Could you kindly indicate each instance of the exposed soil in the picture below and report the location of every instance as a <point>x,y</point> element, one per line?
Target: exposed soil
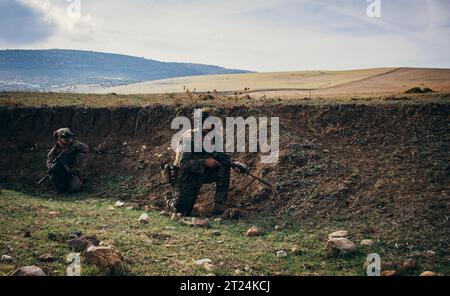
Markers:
<point>383,163</point>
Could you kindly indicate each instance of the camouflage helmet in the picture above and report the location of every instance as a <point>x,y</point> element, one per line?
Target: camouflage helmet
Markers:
<point>64,133</point>
<point>210,111</point>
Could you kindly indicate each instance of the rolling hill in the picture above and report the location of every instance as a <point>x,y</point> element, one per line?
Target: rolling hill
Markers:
<point>57,69</point>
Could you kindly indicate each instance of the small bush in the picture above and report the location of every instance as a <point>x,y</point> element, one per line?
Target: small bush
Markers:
<point>418,90</point>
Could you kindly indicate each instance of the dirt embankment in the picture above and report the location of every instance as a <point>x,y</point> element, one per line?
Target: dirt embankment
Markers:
<point>386,162</point>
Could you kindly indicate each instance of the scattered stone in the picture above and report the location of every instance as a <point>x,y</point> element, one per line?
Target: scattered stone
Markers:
<point>79,244</point>
<point>409,264</point>
<point>366,242</point>
<point>46,258</point>
<point>75,234</point>
<point>215,232</point>
<point>338,234</point>
<point>28,271</point>
<point>196,222</point>
<point>209,267</point>
<point>281,254</point>
<point>278,227</point>
<point>6,259</point>
<point>111,208</point>
<point>232,213</point>
<point>296,250</point>
<point>119,204</point>
<point>106,258</point>
<point>253,231</point>
<point>53,214</point>
<point>144,218</point>
<point>388,273</point>
<point>129,208</point>
<point>429,273</point>
<point>202,261</point>
<point>237,272</point>
<point>218,220</point>
<point>340,247</point>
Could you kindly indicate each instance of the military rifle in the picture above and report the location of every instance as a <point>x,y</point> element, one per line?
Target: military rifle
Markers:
<point>225,161</point>
<point>51,169</point>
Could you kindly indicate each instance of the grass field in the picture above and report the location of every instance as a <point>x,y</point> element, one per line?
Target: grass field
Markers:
<point>165,247</point>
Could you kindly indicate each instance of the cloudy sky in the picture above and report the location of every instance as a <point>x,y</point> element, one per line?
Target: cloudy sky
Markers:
<point>260,35</point>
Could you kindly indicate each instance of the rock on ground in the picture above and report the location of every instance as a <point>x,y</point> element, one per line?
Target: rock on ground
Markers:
<point>253,231</point>
<point>409,264</point>
<point>46,258</point>
<point>366,242</point>
<point>388,273</point>
<point>119,204</point>
<point>144,218</point>
<point>28,271</point>
<point>340,247</point>
<point>296,250</point>
<point>196,222</point>
<point>81,243</point>
<point>6,259</point>
<point>338,234</point>
<point>106,258</point>
<point>429,273</point>
<point>202,261</point>
<point>281,254</point>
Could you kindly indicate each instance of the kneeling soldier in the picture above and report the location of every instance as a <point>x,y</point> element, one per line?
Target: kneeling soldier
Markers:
<point>69,151</point>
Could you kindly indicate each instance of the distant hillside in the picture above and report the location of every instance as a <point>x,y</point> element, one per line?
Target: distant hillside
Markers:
<point>57,69</point>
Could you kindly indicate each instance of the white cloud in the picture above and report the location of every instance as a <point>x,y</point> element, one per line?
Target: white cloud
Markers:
<point>262,35</point>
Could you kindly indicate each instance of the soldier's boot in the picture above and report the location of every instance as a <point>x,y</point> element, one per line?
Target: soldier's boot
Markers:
<point>170,202</point>
<point>75,184</point>
<point>222,187</point>
<point>185,195</point>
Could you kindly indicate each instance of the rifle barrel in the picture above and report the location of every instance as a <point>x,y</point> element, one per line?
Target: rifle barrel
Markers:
<point>261,180</point>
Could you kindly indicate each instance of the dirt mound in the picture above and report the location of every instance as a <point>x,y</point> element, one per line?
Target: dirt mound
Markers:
<point>386,163</point>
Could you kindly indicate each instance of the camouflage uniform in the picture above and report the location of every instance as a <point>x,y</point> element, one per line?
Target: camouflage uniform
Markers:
<point>67,177</point>
<point>191,173</point>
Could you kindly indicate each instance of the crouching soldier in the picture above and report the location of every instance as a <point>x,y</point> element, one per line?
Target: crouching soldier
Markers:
<point>65,158</point>
<point>192,170</point>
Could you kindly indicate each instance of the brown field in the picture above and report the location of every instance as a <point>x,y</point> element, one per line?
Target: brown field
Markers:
<point>300,84</point>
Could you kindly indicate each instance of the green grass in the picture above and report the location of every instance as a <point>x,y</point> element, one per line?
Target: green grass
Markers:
<point>165,247</point>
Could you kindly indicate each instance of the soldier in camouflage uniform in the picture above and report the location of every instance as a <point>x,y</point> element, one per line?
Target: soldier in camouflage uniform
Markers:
<point>192,170</point>
<point>66,177</point>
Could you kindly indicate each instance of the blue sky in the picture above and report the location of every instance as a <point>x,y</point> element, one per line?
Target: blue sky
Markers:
<point>261,35</point>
